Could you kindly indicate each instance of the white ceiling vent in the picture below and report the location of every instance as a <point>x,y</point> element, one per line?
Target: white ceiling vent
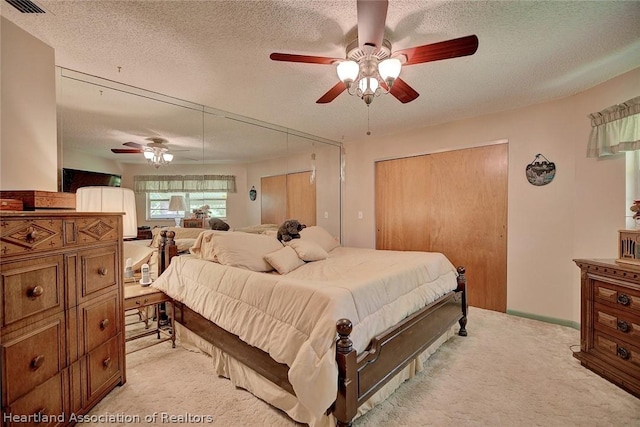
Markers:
<point>25,6</point>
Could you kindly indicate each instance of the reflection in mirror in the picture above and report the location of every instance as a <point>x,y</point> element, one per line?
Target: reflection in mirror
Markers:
<point>106,127</point>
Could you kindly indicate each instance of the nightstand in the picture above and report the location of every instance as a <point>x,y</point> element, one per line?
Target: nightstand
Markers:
<point>141,298</point>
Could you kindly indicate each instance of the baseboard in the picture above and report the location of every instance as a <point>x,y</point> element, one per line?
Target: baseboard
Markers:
<point>561,322</point>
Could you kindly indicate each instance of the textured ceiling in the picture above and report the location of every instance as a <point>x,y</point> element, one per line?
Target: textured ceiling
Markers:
<point>216,53</point>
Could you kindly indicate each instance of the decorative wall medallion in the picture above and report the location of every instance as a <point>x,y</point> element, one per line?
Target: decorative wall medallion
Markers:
<point>540,172</point>
<point>253,193</point>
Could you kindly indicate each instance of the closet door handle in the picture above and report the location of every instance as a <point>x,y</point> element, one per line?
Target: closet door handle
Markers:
<point>106,363</point>
<point>102,271</point>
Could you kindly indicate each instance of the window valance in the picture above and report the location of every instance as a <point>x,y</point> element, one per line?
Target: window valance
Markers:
<point>184,183</point>
<point>615,129</point>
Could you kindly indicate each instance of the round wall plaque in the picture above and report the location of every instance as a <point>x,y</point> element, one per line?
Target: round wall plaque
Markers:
<point>540,172</point>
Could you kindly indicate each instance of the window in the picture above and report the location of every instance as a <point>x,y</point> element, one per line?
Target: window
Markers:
<point>158,204</point>
<point>197,190</point>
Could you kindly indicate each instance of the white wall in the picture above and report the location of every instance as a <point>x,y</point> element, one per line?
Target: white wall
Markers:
<point>576,215</point>
<point>28,148</point>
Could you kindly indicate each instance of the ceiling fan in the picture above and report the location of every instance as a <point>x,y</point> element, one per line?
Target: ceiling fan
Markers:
<point>156,152</point>
<point>370,67</point>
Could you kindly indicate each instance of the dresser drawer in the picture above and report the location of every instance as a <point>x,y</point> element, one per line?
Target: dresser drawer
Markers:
<point>138,297</point>
<point>21,236</point>
<point>43,406</point>
<point>31,358</point>
<point>96,229</point>
<point>620,323</point>
<point>622,297</point>
<point>31,287</point>
<point>104,366</point>
<point>620,352</point>
<point>99,271</point>
<point>100,321</point>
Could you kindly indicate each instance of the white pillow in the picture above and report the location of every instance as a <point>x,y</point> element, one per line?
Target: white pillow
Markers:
<point>284,260</point>
<point>239,249</point>
<point>308,250</point>
<point>320,236</point>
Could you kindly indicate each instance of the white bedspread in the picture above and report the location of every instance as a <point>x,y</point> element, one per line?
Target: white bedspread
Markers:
<point>293,316</point>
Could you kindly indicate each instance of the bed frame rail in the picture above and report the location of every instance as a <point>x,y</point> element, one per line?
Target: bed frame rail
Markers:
<point>359,377</point>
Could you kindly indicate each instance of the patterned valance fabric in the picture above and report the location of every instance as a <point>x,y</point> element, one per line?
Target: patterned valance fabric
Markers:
<point>615,129</point>
<point>184,183</point>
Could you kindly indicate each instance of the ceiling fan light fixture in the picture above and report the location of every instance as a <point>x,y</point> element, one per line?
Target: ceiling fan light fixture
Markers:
<point>368,85</point>
<point>389,70</point>
<point>157,157</point>
<point>348,71</point>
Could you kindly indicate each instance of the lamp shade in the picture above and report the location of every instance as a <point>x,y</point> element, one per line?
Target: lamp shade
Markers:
<point>177,204</point>
<point>110,199</point>
<point>389,69</point>
<point>347,71</point>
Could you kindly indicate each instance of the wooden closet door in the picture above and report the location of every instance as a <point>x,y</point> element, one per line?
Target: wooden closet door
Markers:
<point>402,218</point>
<point>463,214</point>
<point>273,200</point>
<point>301,198</point>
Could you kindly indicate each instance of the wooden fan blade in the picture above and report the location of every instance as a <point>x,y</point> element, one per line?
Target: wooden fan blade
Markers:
<point>372,15</point>
<point>289,57</point>
<point>453,48</point>
<point>332,93</point>
<point>134,145</point>
<point>126,150</point>
<point>403,92</point>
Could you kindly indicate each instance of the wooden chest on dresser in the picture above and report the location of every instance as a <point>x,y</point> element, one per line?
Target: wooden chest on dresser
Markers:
<point>610,321</point>
<point>61,314</point>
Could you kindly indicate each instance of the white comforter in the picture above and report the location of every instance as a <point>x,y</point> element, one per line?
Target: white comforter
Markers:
<point>293,316</point>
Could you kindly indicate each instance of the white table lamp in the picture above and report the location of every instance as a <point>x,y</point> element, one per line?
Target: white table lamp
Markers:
<point>177,205</point>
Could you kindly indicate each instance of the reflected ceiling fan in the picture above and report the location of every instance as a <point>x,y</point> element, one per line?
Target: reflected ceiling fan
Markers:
<point>156,152</point>
<point>370,67</point>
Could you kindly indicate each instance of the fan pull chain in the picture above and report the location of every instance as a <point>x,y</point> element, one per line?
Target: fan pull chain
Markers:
<point>368,121</point>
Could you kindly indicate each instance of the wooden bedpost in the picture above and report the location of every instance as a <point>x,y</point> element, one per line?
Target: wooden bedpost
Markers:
<point>462,287</point>
<point>346,405</point>
<point>167,249</point>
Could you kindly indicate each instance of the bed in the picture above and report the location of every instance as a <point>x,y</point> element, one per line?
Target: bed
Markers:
<point>321,336</point>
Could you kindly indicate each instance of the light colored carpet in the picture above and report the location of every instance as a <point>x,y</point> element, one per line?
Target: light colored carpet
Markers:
<point>509,371</point>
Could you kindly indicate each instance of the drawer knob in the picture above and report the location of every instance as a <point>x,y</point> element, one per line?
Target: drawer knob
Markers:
<point>35,292</point>
<point>102,271</point>
<point>623,326</point>
<point>623,353</point>
<point>623,299</point>
<point>32,235</point>
<point>36,362</point>
<point>106,362</point>
<point>104,323</point>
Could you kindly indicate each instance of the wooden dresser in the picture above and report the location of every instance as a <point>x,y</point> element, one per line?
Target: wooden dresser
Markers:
<point>610,321</point>
<point>61,314</point>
